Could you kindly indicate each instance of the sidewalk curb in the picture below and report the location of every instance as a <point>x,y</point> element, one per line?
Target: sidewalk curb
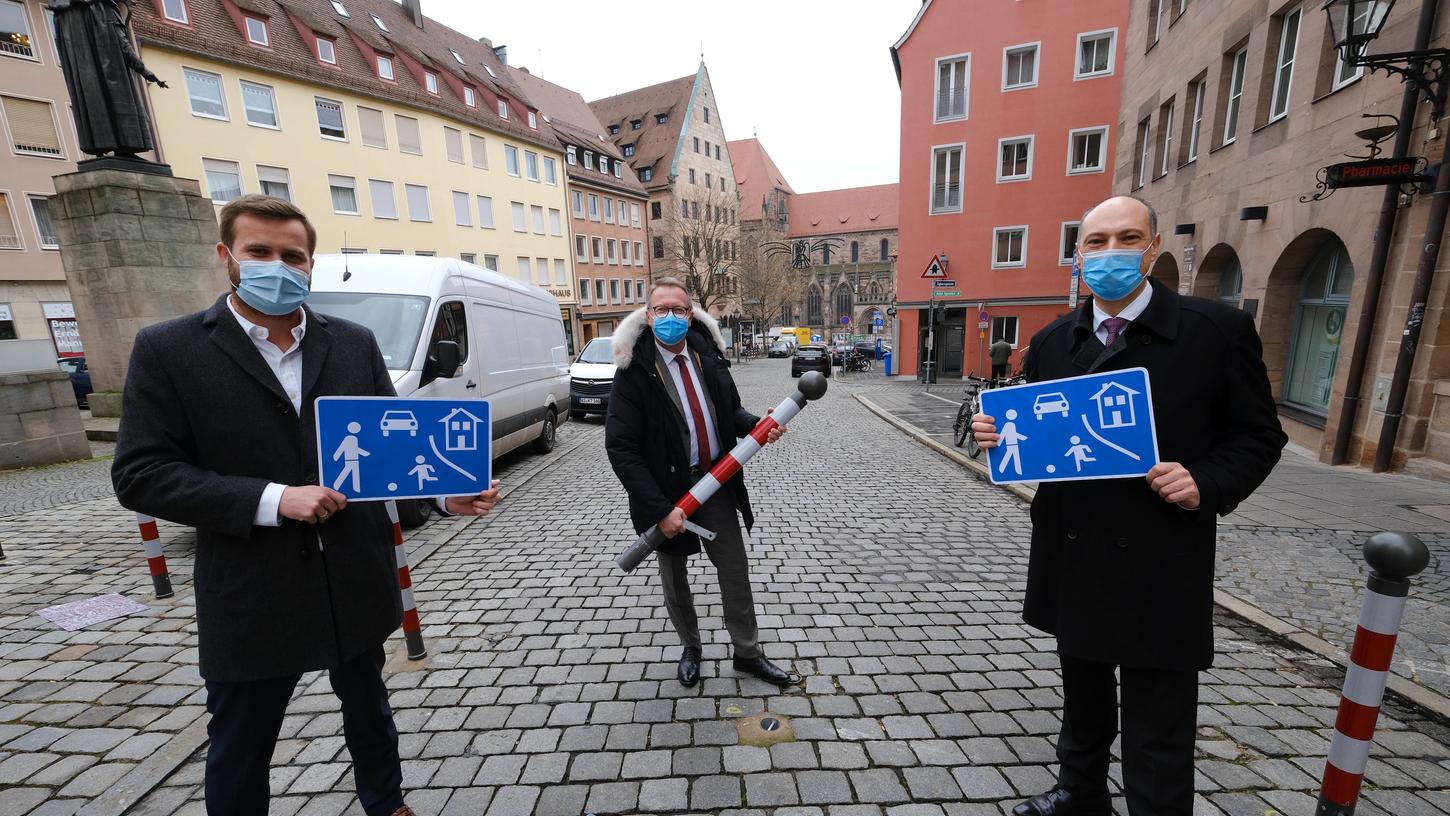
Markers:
<point>1407,690</point>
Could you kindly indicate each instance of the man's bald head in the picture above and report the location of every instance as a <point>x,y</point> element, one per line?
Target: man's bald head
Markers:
<point>1120,222</point>
<point>1127,202</point>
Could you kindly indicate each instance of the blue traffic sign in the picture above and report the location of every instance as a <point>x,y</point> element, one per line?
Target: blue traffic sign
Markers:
<point>1099,426</point>
<point>379,448</point>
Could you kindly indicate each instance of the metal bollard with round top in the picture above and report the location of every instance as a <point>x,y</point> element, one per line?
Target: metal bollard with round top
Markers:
<point>1394,558</point>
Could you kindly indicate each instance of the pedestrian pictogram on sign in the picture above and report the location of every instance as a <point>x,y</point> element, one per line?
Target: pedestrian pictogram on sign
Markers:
<point>378,448</point>
<point>936,269</point>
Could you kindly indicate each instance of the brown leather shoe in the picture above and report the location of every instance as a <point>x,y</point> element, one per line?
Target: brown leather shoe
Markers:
<point>404,811</point>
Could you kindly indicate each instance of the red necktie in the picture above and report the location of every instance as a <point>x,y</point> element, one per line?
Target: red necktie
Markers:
<point>702,431</point>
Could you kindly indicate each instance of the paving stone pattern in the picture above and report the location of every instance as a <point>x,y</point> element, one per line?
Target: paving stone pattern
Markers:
<point>885,574</point>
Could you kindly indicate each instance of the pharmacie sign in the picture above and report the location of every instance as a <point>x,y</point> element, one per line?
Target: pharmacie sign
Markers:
<point>1375,172</point>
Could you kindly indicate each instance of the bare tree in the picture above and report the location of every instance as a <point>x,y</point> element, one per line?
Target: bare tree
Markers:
<point>768,282</point>
<point>701,246</point>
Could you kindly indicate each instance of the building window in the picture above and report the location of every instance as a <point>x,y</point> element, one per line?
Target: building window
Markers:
<point>1143,157</point>
<point>1095,53</point>
<point>1165,138</point>
<point>9,234</point>
<point>1067,244</point>
<point>525,268</point>
<point>274,182</point>
<point>1318,329</point>
<point>344,194</point>
<point>1005,328</point>
<point>571,155</point>
<point>581,249</point>
<point>257,32</point>
<point>543,271</point>
<point>521,223</point>
<point>662,118</point>
<point>628,150</point>
<point>599,291</point>
<point>659,247</point>
<point>885,250</point>
<point>470,97</point>
<point>624,253</point>
<point>378,21</point>
<point>614,130</point>
<point>340,8</point>
<point>430,82</point>
<point>485,211</point>
<point>597,245</point>
<point>826,255</point>
<point>692,176</point>
<point>410,140</point>
<point>628,291</point>
<point>44,226</point>
<point>537,216</point>
<point>1284,64</point>
<point>467,257</point>
<point>855,252</point>
<point>1009,247</point>
<point>1019,67</point>
<point>556,222</point>
<point>490,262</point>
<point>1155,20</point>
<point>1195,125</point>
<point>614,291</point>
<point>511,160</point>
<point>611,251</point>
<point>707,115</point>
<point>813,306</point>
<point>588,160</point>
<point>260,103</point>
<point>16,39</point>
<point>1087,150</point>
<point>576,200</point>
<point>531,164</point>
<point>223,179</point>
<point>503,109</point>
<point>636,124</point>
<point>633,215</point>
<point>561,272</point>
<point>608,210</point>
<point>1238,63</point>
<point>1014,159</point>
<point>533,120</point>
<point>329,119</point>
<point>550,172</point>
<point>174,10</point>
<point>205,92</point>
<point>326,51</point>
<point>453,144</point>
<point>646,174</point>
<point>462,210</point>
<point>418,209</point>
<point>478,147</point>
<point>7,323</point>
<point>381,194</point>
<point>952,76</point>
<point>1345,73</point>
<point>593,207</point>
<point>946,179</point>
<point>385,67</point>
<point>586,292</point>
<point>370,122</point>
<point>619,169</point>
<point>639,261</point>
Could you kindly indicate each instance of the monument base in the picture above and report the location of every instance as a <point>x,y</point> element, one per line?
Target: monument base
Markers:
<point>105,403</point>
<point>126,163</point>
<point>39,421</point>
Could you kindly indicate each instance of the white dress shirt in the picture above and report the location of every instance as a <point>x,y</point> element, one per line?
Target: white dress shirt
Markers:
<point>668,357</point>
<point>287,366</point>
<point>1129,313</point>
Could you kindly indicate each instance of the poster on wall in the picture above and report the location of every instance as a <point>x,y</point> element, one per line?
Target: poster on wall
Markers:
<point>64,331</point>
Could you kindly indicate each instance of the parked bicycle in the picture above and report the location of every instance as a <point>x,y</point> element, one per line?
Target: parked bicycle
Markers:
<point>972,405</point>
<point>856,361</point>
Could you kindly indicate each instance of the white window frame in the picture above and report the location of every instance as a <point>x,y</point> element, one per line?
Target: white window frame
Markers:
<point>470,96</point>
<point>503,107</point>
<point>520,213</point>
<point>184,19</point>
<point>533,120</point>
<point>478,151</point>
<point>512,167</point>
<point>1200,92</point>
<point>378,21</point>
<point>485,211</point>
<point>357,210</point>
<point>262,183</point>
<point>576,203</point>
<point>462,209</point>
<point>571,155</point>
<point>596,249</point>
<point>536,218</point>
<point>586,292</point>
<point>30,199</point>
<point>1036,48</point>
<point>375,186</point>
<point>457,57</point>
<point>430,82</point>
<point>1030,140</point>
<point>427,204</point>
<point>931,173</point>
<point>966,88</point>
<point>226,115</point>
<point>1066,259</point>
<point>581,248</point>
<point>331,50</point>
<point>266,41</point>
<point>246,112</point>
<point>1145,153</point>
<point>1102,150</point>
<point>341,114</point>
<point>551,171</point>
<point>531,164</point>
<point>1237,76</point>
<point>639,261</point>
<point>385,68</point>
<point>1158,21</point>
<point>1166,163</point>
<point>1339,63</point>
<point>30,30</point>
<point>1281,65</point>
<point>241,186</point>
<point>340,8</point>
<point>556,222</point>
<point>561,272</point>
<point>1016,328</point>
<point>447,145</point>
<point>1112,34</point>
<point>1009,264</point>
<point>8,199</point>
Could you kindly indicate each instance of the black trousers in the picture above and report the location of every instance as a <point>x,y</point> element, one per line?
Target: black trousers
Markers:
<point>245,721</point>
<point>999,370</point>
<point>1160,717</point>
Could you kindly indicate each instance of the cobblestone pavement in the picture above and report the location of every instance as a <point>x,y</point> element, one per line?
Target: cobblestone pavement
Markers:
<point>23,491</point>
<point>1293,550</point>
<point>885,574</point>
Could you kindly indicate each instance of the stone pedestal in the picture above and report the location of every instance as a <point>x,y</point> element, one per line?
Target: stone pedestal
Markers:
<point>137,248</point>
<point>39,421</point>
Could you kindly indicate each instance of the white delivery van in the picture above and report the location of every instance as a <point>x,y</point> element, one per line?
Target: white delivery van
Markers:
<point>511,348</point>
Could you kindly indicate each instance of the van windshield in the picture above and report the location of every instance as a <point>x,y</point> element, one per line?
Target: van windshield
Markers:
<point>599,350</point>
<point>396,320</point>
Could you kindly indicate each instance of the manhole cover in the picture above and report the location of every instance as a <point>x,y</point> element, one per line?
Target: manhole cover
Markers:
<point>764,729</point>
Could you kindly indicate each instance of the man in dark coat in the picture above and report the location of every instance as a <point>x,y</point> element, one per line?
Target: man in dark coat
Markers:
<point>1121,570</point>
<point>97,58</point>
<point>673,411</point>
<point>217,433</point>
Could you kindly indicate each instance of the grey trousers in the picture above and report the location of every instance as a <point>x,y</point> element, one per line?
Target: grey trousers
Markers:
<point>727,553</point>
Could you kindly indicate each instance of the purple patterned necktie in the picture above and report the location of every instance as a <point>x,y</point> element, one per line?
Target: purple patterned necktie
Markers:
<point>1114,325</point>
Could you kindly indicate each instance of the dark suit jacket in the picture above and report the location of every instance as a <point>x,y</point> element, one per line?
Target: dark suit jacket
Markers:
<point>648,439</point>
<point>1118,574</point>
<point>205,425</point>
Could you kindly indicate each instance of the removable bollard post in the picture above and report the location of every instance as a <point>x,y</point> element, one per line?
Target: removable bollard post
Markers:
<point>412,627</point>
<point>1394,558</point>
<point>155,556</point>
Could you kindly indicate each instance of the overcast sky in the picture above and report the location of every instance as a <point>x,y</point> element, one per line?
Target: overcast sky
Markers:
<point>812,77</point>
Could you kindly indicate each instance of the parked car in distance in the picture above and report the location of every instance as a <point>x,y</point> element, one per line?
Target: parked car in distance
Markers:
<point>591,377</point>
<point>779,348</point>
<point>80,378</point>
<point>866,347</point>
<point>810,358</point>
<point>838,353</point>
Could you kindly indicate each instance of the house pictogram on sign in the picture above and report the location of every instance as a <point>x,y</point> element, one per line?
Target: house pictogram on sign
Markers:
<point>460,430</point>
<point>1115,406</point>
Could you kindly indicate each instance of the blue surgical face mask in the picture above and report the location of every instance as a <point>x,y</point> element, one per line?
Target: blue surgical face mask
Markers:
<point>671,329</point>
<point>1112,274</point>
<point>271,287</point>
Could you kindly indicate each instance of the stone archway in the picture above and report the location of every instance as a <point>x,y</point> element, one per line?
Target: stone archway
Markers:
<point>1305,309</point>
<point>1220,275</point>
<point>1165,269</point>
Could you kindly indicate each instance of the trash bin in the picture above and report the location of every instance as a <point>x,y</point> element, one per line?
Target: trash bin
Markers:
<point>886,362</point>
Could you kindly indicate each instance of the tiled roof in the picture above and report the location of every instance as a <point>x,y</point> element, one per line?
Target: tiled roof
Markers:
<point>653,141</point>
<point>574,122</point>
<point>855,209</point>
<point>755,174</point>
<point>212,33</point>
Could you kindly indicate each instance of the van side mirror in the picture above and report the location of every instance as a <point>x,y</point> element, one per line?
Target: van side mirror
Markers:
<point>447,358</point>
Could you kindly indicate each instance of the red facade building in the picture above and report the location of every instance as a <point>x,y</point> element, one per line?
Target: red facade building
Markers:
<point>1009,121</point>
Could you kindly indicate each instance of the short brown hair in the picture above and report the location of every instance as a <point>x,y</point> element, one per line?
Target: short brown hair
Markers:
<point>268,207</point>
<point>668,282</point>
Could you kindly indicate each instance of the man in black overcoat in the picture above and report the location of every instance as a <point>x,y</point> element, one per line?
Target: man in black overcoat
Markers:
<point>1121,570</point>
<point>217,433</point>
<point>673,412</point>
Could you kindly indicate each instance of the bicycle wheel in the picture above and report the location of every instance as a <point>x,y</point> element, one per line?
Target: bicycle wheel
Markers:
<point>962,428</point>
<point>973,449</point>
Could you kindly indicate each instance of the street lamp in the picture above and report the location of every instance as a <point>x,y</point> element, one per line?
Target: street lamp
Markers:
<point>1354,24</point>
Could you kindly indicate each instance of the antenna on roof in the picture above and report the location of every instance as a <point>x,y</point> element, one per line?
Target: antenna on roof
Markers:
<point>346,273</point>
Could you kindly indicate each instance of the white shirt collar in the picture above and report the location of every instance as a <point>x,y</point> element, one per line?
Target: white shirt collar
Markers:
<point>669,356</point>
<point>1130,312</point>
<point>262,333</point>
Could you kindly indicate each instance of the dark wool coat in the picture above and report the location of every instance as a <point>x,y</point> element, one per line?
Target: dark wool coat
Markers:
<point>1116,573</point>
<point>205,426</point>
<point>646,434</point>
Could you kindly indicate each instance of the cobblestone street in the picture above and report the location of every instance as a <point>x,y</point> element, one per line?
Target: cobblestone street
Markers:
<point>888,576</point>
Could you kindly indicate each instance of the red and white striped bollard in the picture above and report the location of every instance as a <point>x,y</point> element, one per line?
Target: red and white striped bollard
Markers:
<point>1394,558</point>
<point>155,556</point>
<point>412,626</point>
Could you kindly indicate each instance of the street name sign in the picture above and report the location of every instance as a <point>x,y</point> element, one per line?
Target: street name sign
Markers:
<point>943,284</point>
<point>944,293</point>
<point>381,448</point>
<point>1099,426</point>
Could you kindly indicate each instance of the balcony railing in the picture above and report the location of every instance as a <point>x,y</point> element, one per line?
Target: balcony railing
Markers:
<point>10,242</point>
<point>17,44</point>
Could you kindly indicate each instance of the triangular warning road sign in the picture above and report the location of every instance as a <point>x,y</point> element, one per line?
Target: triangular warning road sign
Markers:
<point>936,269</point>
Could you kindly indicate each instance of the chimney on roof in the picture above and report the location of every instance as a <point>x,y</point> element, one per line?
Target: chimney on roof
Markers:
<point>502,52</point>
<point>415,9</point>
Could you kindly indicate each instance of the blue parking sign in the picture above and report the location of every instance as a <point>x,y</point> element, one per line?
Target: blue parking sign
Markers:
<point>380,448</point>
<point>1099,426</point>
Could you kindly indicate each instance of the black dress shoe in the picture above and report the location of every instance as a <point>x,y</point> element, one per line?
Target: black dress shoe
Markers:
<point>689,672</point>
<point>764,669</point>
<point>1063,802</point>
